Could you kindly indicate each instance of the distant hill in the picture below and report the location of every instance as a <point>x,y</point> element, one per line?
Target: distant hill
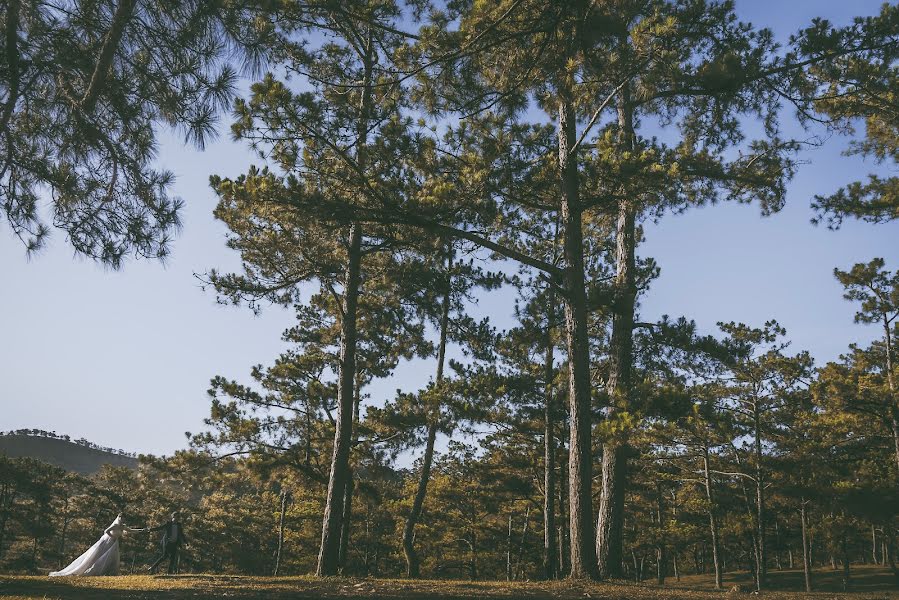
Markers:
<point>79,456</point>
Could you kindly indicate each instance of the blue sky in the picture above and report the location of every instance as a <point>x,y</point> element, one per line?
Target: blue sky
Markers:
<point>124,358</point>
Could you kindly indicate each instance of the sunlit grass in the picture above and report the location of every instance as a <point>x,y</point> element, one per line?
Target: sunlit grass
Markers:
<point>872,583</point>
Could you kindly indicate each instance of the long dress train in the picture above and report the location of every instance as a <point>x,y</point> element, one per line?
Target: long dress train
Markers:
<point>100,559</point>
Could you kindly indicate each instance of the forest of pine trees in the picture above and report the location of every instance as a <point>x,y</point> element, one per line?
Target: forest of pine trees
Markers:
<point>413,157</point>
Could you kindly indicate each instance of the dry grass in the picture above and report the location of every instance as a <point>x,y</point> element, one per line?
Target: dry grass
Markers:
<point>871,584</point>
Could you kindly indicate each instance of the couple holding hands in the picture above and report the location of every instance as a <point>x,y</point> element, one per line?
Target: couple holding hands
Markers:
<point>103,557</point>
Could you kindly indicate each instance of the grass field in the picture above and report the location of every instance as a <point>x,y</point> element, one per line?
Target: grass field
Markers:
<point>869,584</point>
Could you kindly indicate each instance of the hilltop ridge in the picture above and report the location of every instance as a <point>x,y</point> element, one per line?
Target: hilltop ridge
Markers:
<point>79,456</point>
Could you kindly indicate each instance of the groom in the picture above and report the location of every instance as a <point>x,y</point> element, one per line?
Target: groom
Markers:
<point>172,539</point>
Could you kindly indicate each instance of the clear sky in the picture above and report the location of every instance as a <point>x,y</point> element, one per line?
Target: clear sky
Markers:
<point>124,358</point>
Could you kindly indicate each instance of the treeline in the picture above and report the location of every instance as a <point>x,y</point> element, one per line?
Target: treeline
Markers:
<point>416,156</point>
<point>80,441</point>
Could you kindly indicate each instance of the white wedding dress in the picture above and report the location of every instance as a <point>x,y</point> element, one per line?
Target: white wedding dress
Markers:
<point>100,559</point>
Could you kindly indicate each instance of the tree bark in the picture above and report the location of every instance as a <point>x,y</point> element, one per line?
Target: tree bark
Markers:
<point>806,550</point>
<point>332,525</point>
<point>580,456</point>
<point>713,521</point>
<point>550,570</point>
<point>509,550</point>
<point>844,551</point>
<point>661,549</point>
<point>280,532</point>
<point>873,544</point>
<point>524,535</point>
<point>412,563</point>
<point>332,522</point>
<point>12,63</point>
<point>762,557</point>
<point>614,452</point>
<point>120,20</point>
<point>346,522</point>
<point>350,488</point>
<point>891,550</point>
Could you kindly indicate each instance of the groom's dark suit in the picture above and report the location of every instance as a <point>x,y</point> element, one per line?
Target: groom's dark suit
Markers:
<point>172,539</point>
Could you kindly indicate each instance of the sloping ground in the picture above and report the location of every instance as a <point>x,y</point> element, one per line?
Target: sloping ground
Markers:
<point>68,455</point>
<point>203,587</point>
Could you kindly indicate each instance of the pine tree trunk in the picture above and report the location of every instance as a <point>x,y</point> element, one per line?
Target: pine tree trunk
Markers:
<point>332,526</point>
<point>280,532</point>
<point>12,63</point>
<point>891,551</point>
<point>580,454</point>
<point>332,522</point>
<point>524,535</point>
<point>563,520</point>
<point>661,550</point>
<point>777,546</point>
<point>762,555</point>
<point>474,556</point>
<point>844,548</point>
<point>614,452</point>
<point>550,570</point>
<point>349,490</point>
<point>346,523</point>
<point>713,521</point>
<point>806,550</point>
<point>873,544</point>
<point>509,550</point>
<point>412,563</point>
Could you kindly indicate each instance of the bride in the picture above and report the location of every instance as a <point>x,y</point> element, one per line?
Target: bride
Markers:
<point>103,557</point>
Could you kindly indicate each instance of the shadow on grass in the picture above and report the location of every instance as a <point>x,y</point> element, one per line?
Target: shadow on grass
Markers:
<point>867,583</point>
<point>863,578</point>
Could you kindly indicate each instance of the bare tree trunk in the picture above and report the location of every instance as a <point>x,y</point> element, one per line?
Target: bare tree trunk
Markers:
<point>890,549</point>
<point>509,550</point>
<point>580,454</point>
<point>713,521</point>
<point>524,535</point>
<point>332,525</point>
<point>62,533</point>
<point>619,384</point>
<point>412,563</point>
<point>280,532</point>
<point>12,62</point>
<point>844,550</point>
<point>345,525</point>
<point>806,550</point>
<point>550,570</point>
<point>873,544</point>
<point>474,556</point>
<point>777,551</point>
<point>762,558</point>
<point>563,521</point>
<point>661,550</point>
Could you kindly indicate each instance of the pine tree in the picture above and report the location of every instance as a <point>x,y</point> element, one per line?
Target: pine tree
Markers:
<point>85,87</point>
<point>878,292</point>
